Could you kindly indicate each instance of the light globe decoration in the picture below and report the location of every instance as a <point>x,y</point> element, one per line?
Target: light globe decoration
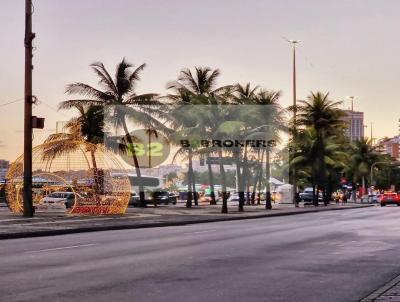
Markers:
<point>89,180</point>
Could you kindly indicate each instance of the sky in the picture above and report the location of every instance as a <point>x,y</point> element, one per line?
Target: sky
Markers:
<point>347,48</point>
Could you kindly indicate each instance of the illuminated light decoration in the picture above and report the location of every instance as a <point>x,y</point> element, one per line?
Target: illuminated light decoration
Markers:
<point>104,190</point>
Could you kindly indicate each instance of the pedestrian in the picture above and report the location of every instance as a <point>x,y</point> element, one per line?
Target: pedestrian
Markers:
<point>298,199</point>
<point>337,197</point>
<point>344,199</point>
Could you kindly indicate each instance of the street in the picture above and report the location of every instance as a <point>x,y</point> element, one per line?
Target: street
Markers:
<point>329,256</point>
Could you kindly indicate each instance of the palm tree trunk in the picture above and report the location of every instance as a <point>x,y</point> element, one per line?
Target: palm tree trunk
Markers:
<point>363,188</point>
<point>245,175</point>
<point>255,179</point>
<point>260,177</point>
<point>239,183</point>
<point>142,199</point>
<point>97,186</point>
<point>190,180</point>
<point>315,195</point>
<point>268,204</point>
<point>211,181</point>
<point>196,201</point>
<point>223,184</point>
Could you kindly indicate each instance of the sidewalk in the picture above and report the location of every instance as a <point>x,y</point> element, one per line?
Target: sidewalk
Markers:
<point>47,224</point>
<point>389,292</point>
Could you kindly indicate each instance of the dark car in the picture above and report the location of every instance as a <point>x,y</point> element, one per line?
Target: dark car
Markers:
<point>307,195</point>
<point>162,197</point>
<point>155,197</point>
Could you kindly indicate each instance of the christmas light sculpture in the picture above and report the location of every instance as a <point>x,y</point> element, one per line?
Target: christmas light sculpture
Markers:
<point>93,176</point>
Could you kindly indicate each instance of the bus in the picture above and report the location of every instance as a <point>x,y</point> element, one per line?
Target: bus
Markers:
<point>150,184</point>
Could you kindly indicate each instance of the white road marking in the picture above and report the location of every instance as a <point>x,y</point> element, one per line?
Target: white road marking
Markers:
<point>199,232</point>
<point>61,248</point>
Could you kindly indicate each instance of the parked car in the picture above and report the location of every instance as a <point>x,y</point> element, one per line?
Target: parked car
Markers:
<point>234,197</point>
<point>390,198</point>
<point>66,199</point>
<point>173,198</point>
<point>307,195</point>
<point>155,197</point>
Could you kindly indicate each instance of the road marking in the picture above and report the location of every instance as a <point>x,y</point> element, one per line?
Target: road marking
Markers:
<point>61,248</point>
<point>199,232</point>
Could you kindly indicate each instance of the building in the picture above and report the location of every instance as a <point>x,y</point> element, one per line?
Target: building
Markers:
<point>4,164</point>
<point>355,122</point>
<point>390,146</point>
<point>161,171</point>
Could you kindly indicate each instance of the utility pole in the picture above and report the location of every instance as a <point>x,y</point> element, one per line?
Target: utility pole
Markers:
<point>294,180</point>
<point>29,36</point>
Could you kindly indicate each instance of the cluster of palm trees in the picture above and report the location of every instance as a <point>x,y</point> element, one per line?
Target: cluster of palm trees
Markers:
<point>323,155</point>
<point>217,117</point>
<point>321,152</point>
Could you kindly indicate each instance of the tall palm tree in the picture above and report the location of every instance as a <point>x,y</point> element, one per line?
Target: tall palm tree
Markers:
<point>321,122</point>
<point>363,156</point>
<point>198,88</point>
<point>320,113</point>
<point>84,131</point>
<point>274,121</point>
<point>119,92</point>
<point>243,95</point>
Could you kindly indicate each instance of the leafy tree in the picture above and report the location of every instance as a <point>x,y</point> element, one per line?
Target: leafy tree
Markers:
<point>125,104</point>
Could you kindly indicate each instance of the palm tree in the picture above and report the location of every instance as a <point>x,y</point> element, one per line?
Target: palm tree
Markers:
<point>85,131</point>
<point>244,95</point>
<point>363,156</point>
<point>320,120</point>
<point>320,113</point>
<point>318,158</point>
<point>198,88</point>
<point>119,92</point>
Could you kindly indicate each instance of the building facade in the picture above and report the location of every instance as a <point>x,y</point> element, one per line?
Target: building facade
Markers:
<point>4,164</point>
<point>355,124</point>
<point>390,146</point>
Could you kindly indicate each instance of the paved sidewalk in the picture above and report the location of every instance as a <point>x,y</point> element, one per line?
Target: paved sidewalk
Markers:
<point>390,292</point>
<point>45,224</point>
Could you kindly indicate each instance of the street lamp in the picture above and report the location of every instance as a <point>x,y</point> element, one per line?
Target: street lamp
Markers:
<point>294,182</point>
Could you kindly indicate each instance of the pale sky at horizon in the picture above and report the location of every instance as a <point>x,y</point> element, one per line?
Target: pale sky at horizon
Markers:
<point>348,48</point>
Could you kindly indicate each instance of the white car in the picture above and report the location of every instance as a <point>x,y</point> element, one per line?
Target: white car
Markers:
<point>59,200</point>
<point>234,197</point>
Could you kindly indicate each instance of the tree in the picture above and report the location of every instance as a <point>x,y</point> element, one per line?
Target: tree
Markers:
<point>125,104</point>
<point>363,156</point>
<point>85,131</point>
<point>198,88</point>
<point>320,126</point>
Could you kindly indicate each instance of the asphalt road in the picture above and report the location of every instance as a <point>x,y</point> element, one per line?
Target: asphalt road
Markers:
<point>330,256</point>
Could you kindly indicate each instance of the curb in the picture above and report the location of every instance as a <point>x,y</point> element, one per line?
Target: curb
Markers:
<point>41,233</point>
<point>377,293</point>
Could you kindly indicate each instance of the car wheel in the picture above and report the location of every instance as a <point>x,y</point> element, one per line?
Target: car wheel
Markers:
<point>383,204</point>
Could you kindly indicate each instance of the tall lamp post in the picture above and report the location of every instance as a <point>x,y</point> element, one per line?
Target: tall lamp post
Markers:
<point>29,36</point>
<point>294,180</point>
